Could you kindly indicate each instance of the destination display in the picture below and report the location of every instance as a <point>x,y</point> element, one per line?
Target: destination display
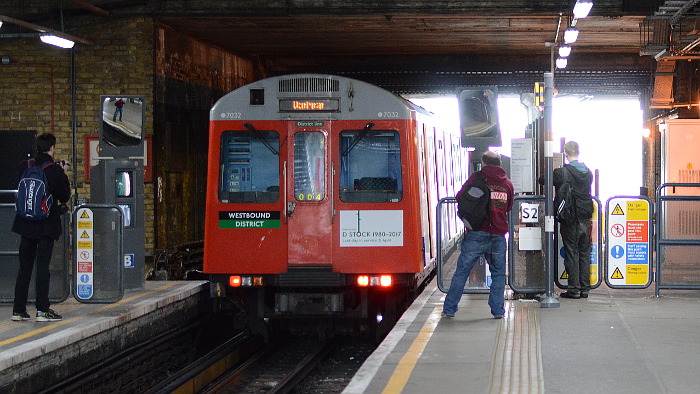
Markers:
<point>313,105</point>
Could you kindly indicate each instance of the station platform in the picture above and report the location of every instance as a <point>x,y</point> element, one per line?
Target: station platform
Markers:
<point>35,354</point>
<point>615,341</point>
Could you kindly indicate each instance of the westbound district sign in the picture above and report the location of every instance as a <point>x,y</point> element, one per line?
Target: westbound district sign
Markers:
<point>628,256</point>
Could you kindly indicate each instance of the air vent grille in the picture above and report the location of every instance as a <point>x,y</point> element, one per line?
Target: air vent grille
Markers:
<point>310,277</point>
<point>312,85</point>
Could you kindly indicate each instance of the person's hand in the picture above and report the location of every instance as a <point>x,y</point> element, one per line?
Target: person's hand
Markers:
<point>63,164</point>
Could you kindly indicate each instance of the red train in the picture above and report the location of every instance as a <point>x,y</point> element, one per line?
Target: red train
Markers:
<point>322,196</point>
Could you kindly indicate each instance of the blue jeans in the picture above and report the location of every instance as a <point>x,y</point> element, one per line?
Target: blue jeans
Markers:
<point>474,245</point>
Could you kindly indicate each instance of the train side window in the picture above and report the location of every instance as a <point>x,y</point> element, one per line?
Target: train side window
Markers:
<point>309,166</point>
<point>370,166</point>
<point>249,163</point>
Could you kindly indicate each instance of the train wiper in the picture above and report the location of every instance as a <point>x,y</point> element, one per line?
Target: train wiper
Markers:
<point>362,134</point>
<point>261,137</point>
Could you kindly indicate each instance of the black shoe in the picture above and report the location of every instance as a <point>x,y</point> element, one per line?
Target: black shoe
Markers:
<point>49,315</point>
<point>584,295</point>
<point>566,294</point>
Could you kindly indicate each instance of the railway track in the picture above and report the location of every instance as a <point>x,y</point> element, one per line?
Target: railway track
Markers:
<point>177,361</point>
<point>246,365</point>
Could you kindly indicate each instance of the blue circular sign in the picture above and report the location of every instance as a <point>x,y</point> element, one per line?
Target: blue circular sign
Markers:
<point>617,251</point>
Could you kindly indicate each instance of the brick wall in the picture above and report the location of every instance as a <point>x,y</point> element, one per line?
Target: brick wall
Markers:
<point>128,56</point>
<point>35,88</point>
<point>190,76</point>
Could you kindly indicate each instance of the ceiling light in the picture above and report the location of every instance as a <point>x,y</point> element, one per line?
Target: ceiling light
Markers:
<point>57,41</point>
<point>582,8</point>
<point>561,62</point>
<point>570,35</point>
<point>564,51</point>
<point>0,23</point>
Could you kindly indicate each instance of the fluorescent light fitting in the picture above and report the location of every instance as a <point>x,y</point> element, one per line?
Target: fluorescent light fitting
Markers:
<point>570,35</point>
<point>57,41</point>
<point>564,51</point>
<point>582,8</point>
<point>561,62</point>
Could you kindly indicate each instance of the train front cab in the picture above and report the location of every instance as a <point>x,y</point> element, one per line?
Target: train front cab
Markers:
<point>319,212</point>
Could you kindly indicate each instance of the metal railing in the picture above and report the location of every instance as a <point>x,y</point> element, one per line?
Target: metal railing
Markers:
<point>59,289</point>
<point>678,237</point>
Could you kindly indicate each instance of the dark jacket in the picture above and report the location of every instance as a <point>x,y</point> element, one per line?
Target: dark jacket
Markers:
<point>501,198</point>
<point>59,188</point>
<point>580,178</point>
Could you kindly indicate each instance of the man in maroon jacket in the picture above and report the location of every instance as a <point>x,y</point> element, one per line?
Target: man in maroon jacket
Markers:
<point>488,241</point>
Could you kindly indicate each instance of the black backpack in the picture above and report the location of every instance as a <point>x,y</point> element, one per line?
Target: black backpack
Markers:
<point>565,202</point>
<point>33,198</point>
<point>473,203</point>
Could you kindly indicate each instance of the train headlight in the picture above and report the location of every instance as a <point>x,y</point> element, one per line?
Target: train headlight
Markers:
<point>363,280</point>
<point>245,281</point>
<point>374,280</point>
<point>385,280</point>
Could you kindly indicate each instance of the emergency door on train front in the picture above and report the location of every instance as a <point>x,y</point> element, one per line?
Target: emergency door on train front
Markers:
<point>250,186</point>
<point>309,207</point>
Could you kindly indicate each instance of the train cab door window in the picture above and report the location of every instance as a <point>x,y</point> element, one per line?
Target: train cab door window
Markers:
<point>370,166</point>
<point>250,169</point>
<point>309,166</point>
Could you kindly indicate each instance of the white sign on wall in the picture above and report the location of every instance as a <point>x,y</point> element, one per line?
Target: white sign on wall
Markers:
<point>521,165</point>
<point>371,228</point>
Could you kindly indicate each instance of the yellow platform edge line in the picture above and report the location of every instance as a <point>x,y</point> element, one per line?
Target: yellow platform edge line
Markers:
<point>54,325</point>
<point>403,370</point>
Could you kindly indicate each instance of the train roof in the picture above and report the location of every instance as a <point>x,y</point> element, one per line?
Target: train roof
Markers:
<point>347,98</point>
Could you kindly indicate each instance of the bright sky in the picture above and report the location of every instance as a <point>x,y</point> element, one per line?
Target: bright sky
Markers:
<point>608,130</point>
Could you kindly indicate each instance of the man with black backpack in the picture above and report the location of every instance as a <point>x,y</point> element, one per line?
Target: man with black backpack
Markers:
<point>485,237</point>
<point>38,229</point>
<point>575,229</point>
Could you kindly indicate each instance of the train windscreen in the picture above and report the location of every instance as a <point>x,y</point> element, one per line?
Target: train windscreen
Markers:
<point>309,166</point>
<point>249,164</point>
<point>370,166</point>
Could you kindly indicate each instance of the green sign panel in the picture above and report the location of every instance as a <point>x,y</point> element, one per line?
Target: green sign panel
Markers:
<point>249,219</point>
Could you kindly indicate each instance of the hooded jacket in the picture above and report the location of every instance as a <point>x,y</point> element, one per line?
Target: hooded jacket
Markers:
<point>501,198</point>
<point>59,187</point>
<point>580,178</point>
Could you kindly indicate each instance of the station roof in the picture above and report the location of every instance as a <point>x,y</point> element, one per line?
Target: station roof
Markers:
<point>434,36</point>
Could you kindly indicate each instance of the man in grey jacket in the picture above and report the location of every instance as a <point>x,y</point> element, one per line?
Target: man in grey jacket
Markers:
<point>576,235</point>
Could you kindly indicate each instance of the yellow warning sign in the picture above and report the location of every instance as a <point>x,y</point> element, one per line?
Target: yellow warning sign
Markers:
<point>564,275</point>
<point>637,274</point>
<point>594,274</point>
<point>617,274</point>
<point>84,223</point>
<point>85,234</point>
<point>85,215</point>
<point>637,210</point>
<point>84,244</point>
<point>617,210</point>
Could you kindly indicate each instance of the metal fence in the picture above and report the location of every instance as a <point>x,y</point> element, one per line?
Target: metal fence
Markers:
<point>678,236</point>
<point>449,235</point>
<point>59,288</point>
<point>99,257</point>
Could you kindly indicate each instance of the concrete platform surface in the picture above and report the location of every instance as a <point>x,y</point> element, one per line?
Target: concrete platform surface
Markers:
<point>616,341</point>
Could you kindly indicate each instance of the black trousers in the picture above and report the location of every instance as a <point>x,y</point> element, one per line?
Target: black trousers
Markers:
<point>577,260</point>
<point>31,250</point>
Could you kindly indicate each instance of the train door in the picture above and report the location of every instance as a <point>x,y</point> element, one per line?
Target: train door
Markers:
<point>309,207</point>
